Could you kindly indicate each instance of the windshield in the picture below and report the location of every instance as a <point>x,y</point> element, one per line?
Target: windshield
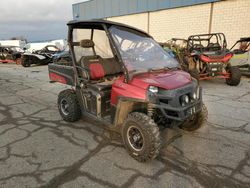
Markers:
<point>139,52</point>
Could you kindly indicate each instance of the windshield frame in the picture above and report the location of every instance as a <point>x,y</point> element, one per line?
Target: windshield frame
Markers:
<point>155,46</point>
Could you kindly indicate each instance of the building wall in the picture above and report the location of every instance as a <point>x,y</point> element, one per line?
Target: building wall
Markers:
<point>231,17</point>
<point>179,22</point>
<point>136,20</point>
<point>94,9</point>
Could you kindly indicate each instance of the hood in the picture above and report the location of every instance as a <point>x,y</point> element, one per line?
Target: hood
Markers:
<point>166,80</point>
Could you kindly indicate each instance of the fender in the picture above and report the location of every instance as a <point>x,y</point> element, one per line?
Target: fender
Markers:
<point>124,106</point>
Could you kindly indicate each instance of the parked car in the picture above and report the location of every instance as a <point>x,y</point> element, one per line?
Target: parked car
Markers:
<point>63,58</point>
<point>124,79</point>
<point>10,54</point>
<point>241,58</point>
<point>206,57</point>
<point>42,57</point>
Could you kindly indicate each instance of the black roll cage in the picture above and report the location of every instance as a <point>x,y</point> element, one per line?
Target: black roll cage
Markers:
<point>100,25</point>
<point>245,39</point>
<point>219,36</point>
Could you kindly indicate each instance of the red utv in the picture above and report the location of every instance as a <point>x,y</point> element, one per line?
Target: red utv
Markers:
<point>207,57</point>
<point>123,78</point>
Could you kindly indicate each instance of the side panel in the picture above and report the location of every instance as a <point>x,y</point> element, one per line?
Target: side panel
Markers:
<point>121,89</point>
<point>61,73</point>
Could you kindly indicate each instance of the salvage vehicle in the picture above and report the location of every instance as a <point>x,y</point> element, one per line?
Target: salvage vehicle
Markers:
<point>10,54</point>
<point>121,77</point>
<point>63,58</point>
<point>41,57</point>
<point>178,47</point>
<point>241,58</point>
<point>209,58</point>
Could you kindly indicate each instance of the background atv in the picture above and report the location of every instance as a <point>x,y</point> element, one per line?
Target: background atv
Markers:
<point>10,54</point>
<point>206,57</point>
<point>241,58</point>
<point>178,47</point>
<point>209,58</point>
<point>42,57</point>
<point>123,78</point>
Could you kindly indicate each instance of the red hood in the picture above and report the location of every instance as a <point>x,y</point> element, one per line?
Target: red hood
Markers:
<point>166,80</point>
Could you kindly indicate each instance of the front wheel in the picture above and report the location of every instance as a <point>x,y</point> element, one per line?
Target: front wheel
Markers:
<point>235,77</point>
<point>196,121</point>
<point>141,137</point>
<point>68,106</point>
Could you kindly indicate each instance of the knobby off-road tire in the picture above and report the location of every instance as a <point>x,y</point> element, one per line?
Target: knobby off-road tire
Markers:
<point>68,106</point>
<point>235,78</point>
<point>150,144</point>
<point>197,121</point>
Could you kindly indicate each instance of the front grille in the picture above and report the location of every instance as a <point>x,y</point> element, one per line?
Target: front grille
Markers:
<point>165,101</point>
<point>172,97</point>
<point>215,67</point>
<point>171,113</point>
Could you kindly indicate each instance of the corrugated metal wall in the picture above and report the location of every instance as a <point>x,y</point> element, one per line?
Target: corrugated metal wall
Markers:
<point>109,8</point>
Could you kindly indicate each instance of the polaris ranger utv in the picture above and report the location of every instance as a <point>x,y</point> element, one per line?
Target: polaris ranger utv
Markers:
<point>122,77</point>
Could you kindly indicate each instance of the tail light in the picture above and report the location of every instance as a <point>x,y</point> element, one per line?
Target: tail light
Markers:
<point>208,59</point>
<point>205,58</point>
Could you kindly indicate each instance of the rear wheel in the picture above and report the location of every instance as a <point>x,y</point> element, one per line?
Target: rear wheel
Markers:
<point>197,121</point>
<point>235,77</point>
<point>141,137</point>
<point>68,106</point>
<point>25,62</point>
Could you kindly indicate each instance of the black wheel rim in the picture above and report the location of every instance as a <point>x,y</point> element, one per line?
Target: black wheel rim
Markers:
<point>135,138</point>
<point>64,107</point>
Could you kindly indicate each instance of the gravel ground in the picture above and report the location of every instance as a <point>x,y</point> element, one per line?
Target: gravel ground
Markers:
<point>38,149</point>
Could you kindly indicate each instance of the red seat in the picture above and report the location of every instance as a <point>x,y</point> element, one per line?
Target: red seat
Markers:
<point>94,64</point>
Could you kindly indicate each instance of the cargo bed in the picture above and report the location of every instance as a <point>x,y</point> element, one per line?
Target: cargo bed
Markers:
<point>61,73</point>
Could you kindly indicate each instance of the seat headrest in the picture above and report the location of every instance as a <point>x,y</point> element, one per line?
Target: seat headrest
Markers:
<point>87,43</point>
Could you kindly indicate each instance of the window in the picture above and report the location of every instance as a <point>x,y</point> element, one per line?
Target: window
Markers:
<point>100,39</point>
<point>102,46</point>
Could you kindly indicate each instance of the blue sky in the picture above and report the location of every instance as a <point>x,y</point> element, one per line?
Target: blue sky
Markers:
<point>35,19</point>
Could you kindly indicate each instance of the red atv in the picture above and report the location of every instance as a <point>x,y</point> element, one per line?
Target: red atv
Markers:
<point>207,57</point>
<point>122,77</point>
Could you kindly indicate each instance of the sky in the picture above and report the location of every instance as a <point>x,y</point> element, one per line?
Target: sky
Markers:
<point>35,20</point>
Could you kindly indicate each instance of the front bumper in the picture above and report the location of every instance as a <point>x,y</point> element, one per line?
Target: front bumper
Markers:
<point>180,113</point>
<point>169,105</point>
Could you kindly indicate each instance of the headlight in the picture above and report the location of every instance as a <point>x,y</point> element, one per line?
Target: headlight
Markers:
<point>184,100</point>
<point>196,94</point>
<point>153,89</point>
